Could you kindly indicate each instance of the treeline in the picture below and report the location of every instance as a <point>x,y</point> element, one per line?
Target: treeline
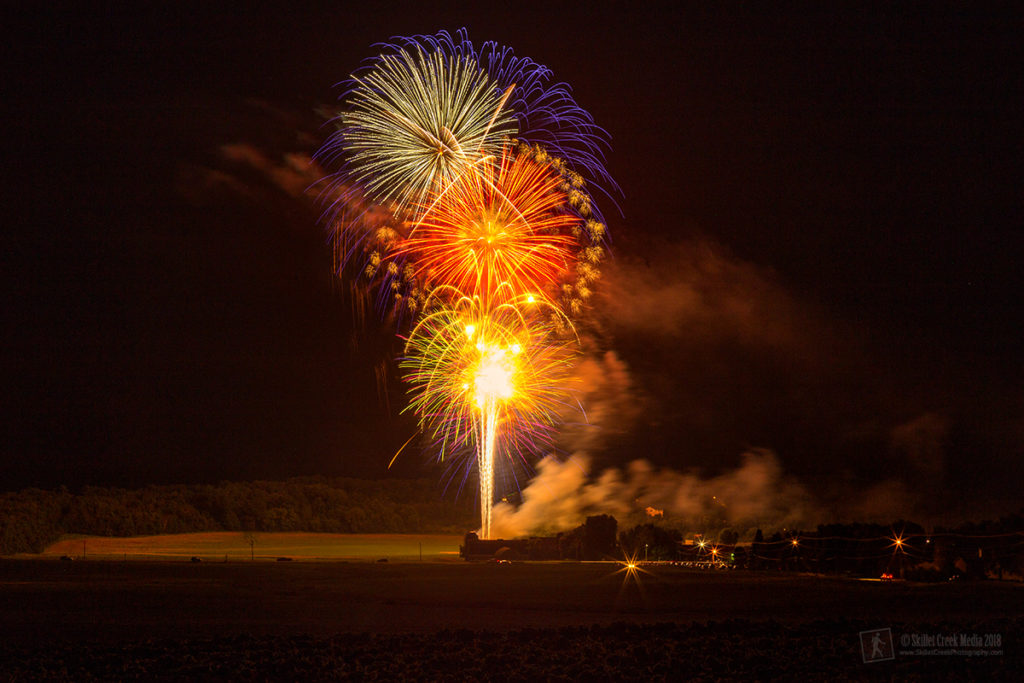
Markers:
<point>32,519</point>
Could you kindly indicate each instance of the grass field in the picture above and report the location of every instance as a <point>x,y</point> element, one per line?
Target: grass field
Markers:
<point>221,546</point>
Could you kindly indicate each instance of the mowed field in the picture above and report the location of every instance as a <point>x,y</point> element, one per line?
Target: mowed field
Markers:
<point>451,620</point>
<point>234,546</point>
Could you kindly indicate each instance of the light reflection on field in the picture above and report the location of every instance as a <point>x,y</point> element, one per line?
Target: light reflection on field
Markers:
<point>267,546</point>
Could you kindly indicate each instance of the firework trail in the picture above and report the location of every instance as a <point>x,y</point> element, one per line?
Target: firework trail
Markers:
<point>462,198</point>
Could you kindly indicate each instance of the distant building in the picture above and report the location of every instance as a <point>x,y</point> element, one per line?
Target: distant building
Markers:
<point>533,548</point>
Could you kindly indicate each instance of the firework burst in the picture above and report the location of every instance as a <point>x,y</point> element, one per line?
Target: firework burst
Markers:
<point>502,223</point>
<point>414,119</point>
<point>545,111</point>
<point>462,199</point>
<point>488,380</point>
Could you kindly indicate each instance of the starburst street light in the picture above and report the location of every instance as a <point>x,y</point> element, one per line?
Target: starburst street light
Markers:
<point>630,568</point>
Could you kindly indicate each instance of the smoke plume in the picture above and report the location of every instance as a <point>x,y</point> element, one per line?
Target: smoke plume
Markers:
<point>755,495</point>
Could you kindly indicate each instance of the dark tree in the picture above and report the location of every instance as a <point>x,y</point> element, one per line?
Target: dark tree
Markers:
<point>599,538</point>
<point>651,542</point>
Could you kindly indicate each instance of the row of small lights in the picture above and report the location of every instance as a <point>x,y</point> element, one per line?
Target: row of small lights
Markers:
<point>897,542</point>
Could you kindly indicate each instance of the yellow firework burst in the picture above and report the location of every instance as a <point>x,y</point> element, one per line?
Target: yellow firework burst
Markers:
<point>488,379</point>
<point>417,119</point>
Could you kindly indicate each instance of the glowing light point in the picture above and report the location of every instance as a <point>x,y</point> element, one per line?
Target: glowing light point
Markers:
<point>494,379</point>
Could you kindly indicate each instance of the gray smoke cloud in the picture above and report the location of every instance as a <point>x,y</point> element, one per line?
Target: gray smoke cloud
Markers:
<point>607,404</point>
<point>922,441</point>
<point>294,173</point>
<point>722,348</point>
<point>757,494</point>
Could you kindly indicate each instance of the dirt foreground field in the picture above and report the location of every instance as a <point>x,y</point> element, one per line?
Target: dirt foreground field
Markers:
<point>102,600</point>
<point>102,618</point>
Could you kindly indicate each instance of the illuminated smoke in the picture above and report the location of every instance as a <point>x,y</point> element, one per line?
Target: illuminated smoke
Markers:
<point>756,495</point>
<point>611,404</point>
<point>563,495</point>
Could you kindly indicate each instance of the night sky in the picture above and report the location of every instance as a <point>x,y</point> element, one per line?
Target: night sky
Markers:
<point>818,251</point>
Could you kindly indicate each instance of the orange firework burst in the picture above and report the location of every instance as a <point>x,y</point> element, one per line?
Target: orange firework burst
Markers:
<point>502,221</point>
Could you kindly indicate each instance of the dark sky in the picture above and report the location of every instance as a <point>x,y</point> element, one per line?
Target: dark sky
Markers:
<point>818,251</point>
